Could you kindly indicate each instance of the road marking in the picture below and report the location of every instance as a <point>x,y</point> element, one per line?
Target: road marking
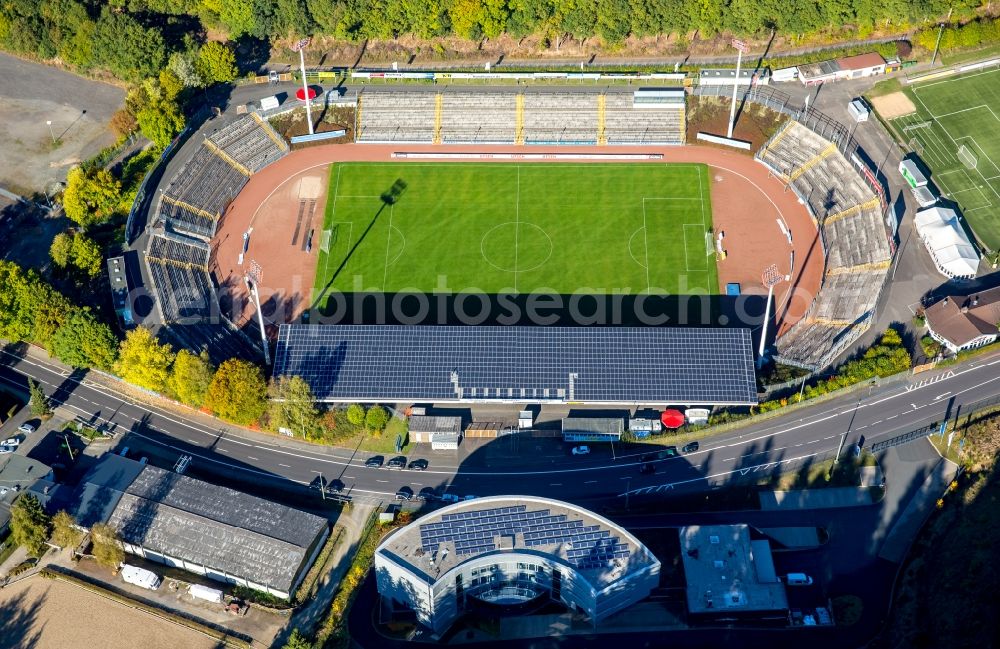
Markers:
<point>381,481</point>
<point>250,457</point>
<point>590,482</point>
<point>287,466</point>
<point>192,441</point>
<point>555,484</point>
<point>729,459</point>
<point>222,450</point>
<point>941,396</point>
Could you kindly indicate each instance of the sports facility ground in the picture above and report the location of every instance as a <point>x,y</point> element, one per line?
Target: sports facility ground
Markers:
<point>565,226</point>
<point>954,127</point>
<point>496,228</point>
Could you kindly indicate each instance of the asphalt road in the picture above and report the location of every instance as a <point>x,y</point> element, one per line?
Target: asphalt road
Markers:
<point>512,466</point>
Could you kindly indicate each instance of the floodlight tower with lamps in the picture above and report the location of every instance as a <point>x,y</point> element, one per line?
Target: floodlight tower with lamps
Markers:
<point>300,47</point>
<point>252,279</point>
<point>771,277</point>
<point>741,49</point>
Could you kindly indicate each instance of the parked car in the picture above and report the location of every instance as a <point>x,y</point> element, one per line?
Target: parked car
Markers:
<point>428,494</point>
<point>670,451</point>
<point>27,428</point>
<point>398,462</point>
<point>798,579</point>
<point>581,450</point>
<point>419,465</point>
<point>12,441</point>
<point>647,457</point>
<point>690,447</point>
<point>4,449</point>
<point>404,493</point>
<point>374,462</point>
<point>646,468</point>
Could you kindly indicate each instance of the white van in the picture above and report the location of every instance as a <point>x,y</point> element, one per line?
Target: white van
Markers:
<point>798,579</point>
<point>858,110</point>
<point>140,577</point>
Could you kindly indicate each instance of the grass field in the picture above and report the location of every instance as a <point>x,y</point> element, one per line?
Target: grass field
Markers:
<point>500,228</point>
<point>950,113</point>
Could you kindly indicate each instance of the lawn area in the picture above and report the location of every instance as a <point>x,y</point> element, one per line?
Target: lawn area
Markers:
<point>952,113</point>
<point>501,228</point>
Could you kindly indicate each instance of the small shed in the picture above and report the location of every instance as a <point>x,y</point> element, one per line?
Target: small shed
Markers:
<point>423,428</point>
<point>592,429</point>
<point>912,174</point>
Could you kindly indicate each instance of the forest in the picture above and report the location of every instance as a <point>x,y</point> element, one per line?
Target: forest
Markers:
<point>134,38</point>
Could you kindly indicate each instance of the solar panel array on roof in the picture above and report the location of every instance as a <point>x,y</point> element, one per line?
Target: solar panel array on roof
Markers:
<point>561,364</point>
<point>473,532</point>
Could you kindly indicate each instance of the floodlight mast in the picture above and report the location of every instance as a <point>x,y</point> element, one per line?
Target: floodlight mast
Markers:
<point>770,278</point>
<point>741,47</point>
<point>300,47</point>
<point>252,278</point>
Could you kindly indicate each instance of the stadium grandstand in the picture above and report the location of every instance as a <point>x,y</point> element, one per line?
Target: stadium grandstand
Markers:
<point>532,116</point>
<point>856,246</point>
<point>190,206</point>
<point>197,196</point>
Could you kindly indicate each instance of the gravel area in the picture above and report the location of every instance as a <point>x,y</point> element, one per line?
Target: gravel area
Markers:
<point>50,614</point>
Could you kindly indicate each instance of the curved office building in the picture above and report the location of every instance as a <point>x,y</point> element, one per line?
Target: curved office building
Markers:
<point>511,550</point>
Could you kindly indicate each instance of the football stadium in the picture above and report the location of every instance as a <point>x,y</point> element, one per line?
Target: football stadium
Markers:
<point>521,245</point>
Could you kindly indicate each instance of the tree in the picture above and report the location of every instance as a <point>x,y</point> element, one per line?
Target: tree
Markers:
<point>143,361</point>
<point>376,418</point>
<point>183,66</point>
<point>61,250</point>
<point>131,51</point>
<point>238,392</point>
<point>190,377</point>
<point>297,641</point>
<point>292,405</point>
<point>64,531</point>
<point>123,123</point>
<point>107,546</point>
<point>83,341</point>
<point>160,122</point>
<point>216,63</point>
<point>356,414</point>
<point>91,196</point>
<point>29,524</point>
<point>38,402</point>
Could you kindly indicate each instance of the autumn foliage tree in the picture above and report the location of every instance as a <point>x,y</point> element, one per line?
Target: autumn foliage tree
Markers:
<point>144,361</point>
<point>238,392</point>
<point>190,376</point>
<point>92,195</point>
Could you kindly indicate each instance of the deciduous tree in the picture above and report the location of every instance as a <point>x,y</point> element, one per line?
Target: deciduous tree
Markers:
<point>92,195</point>
<point>64,531</point>
<point>144,361</point>
<point>190,377</point>
<point>108,550</point>
<point>238,392</point>
<point>216,63</point>
<point>160,121</point>
<point>292,406</point>
<point>297,641</point>
<point>376,418</point>
<point>29,524</point>
<point>83,341</point>
<point>356,414</point>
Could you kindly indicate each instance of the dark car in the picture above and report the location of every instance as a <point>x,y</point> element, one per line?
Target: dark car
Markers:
<point>396,463</point>
<point>428,494</point>
<point>647,457</point>
<point>670,451</point>
<point>690,447</point>
<point>646,468</point>
<point>404,493</point>
<point>418,465</point>
<point>374,462</point>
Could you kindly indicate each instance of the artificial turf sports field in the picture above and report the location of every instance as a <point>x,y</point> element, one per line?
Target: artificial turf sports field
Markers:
<point>952,112</point>
<point>499,228</point>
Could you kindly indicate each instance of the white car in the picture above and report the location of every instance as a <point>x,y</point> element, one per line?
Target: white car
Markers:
<point>581,450</point>
<point>27,429</point>
<point>12,442</point>
<point>4,449</point>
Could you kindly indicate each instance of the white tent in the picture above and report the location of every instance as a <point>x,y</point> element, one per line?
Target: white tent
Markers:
<point>946,241</point>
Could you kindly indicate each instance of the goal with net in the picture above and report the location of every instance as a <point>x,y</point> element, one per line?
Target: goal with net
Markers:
<point>968,157</point>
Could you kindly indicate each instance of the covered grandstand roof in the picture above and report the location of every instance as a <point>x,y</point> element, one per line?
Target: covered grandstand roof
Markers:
<point>947,242</point>
<point>598,549</point>
<point>619,365</point>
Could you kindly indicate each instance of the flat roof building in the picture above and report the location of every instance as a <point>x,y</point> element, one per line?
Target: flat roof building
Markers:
<point>847,67</point>
<point>490,364</point>
<point>728,575</point>
<point>423,428</point>
<point>512,550</point>
<point>945,239</point>
<point>592,429</point>
<point>210,530</point>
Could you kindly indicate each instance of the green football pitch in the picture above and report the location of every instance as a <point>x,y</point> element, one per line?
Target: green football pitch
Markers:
<point>951,114</point>
<point>498,228</point>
